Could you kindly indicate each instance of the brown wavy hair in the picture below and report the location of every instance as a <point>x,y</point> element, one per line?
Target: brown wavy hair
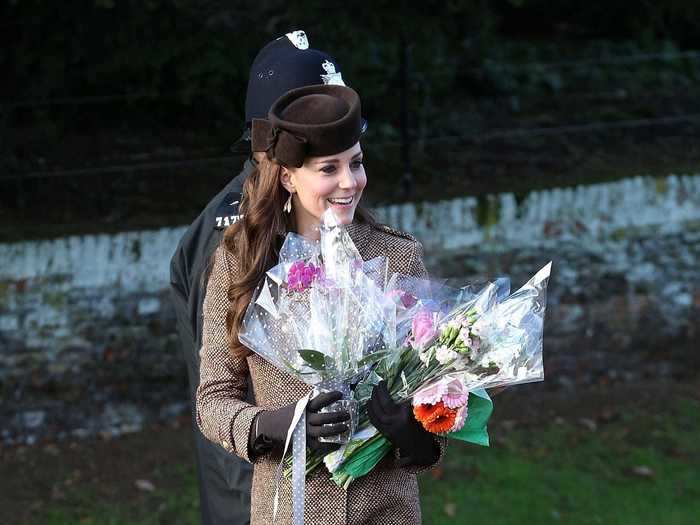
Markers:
<point>255,240</point>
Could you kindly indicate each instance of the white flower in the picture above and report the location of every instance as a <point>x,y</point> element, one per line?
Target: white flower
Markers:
<point>444,355</point>
<point>464,336</point>
<point>476,328</point>
<point>502,355</point>
<point>475,343</point>
<point>425,356</point>
<point>454,323</point>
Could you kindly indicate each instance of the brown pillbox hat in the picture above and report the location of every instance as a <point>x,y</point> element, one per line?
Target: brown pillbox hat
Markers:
<point>311,121</point>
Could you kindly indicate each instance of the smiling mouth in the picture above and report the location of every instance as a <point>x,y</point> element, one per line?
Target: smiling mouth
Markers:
<point>341,202</point>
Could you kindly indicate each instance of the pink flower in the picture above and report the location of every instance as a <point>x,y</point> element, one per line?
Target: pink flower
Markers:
<point>460,419</point>
<point>301,275</point>
<point>430,395</point>
<point>423,329</point>
<point>456,395</point>
<point>449,390</point>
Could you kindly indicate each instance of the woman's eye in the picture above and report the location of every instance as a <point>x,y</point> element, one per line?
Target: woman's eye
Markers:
<point>356,164</point>
<point>330,168</point>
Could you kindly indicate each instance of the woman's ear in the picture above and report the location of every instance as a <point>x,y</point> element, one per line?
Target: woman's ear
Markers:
<point>286,180</point>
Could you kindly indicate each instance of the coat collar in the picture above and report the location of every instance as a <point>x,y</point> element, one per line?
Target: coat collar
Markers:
<point>359,233</point>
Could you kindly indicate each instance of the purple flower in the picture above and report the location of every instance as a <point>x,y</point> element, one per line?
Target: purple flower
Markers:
<point>408,300</point>
<point>401,298</point>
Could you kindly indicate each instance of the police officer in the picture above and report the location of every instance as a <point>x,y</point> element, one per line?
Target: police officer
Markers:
<point>283,64</point>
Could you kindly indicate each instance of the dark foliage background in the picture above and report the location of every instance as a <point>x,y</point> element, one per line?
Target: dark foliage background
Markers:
<point>183,52</point>
<point>142,99</point>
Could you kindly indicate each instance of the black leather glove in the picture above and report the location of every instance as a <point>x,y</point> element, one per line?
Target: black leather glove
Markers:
<point>269,429</point>
<point>416,446</point>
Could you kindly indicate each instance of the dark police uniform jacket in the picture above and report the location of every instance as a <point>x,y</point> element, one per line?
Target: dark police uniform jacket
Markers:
<point>224,479</point>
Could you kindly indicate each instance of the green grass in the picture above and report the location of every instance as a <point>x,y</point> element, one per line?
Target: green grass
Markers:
<point>567,474</point>
<point>178,504</point>
<point>554,473</point>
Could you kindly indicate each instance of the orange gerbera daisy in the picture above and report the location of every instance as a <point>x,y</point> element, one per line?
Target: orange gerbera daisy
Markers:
<point>443,423</point>
<point>435,418</point>
<point>426,412</point>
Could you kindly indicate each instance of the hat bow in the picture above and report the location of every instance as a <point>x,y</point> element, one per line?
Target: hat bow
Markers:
<point>280,144</point>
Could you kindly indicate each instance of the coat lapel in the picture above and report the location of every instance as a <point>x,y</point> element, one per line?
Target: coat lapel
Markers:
<point>359,233</point>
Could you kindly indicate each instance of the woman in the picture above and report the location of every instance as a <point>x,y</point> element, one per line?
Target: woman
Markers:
<point>312,161</point>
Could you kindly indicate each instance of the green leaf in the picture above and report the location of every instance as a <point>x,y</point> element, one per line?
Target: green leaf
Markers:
<point>475,428</point>
<point>373,358</point>
<point>364,459</point>
<point>314,359</point>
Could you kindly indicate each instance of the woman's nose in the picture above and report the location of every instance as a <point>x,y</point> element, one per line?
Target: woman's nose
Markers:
<point>348,179</point>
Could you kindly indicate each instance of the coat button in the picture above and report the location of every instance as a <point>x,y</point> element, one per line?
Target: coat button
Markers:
<point>225,444</point>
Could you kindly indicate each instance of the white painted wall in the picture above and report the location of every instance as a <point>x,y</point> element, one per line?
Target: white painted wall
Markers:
<point>596,212</point>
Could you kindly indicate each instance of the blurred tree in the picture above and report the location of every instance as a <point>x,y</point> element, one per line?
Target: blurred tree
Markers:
<point>181,52</point>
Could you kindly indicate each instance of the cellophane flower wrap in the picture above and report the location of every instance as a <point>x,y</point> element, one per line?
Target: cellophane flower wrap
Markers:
<point>321,310</point>
<point>337,322</point>
<point>450,348</point>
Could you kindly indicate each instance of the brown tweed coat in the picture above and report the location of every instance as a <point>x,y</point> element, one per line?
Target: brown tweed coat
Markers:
<point>388,495</point>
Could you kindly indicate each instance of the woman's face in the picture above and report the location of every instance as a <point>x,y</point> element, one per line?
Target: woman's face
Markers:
<point>335,181</point>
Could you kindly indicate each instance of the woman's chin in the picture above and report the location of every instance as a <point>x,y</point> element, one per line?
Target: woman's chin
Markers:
<point>346,218</point>
<point>344,214</point>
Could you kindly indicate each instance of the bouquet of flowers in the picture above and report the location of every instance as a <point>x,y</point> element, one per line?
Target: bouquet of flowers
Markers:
<point>449,356</point>
<point>336,322</point>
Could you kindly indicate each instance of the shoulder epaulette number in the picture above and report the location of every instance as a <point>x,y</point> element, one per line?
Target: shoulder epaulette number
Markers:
<point>227,211</point>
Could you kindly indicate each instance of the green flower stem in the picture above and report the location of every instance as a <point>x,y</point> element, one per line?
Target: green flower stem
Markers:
<point>363,458</point>
<point>312,462</point>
